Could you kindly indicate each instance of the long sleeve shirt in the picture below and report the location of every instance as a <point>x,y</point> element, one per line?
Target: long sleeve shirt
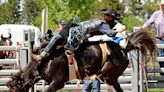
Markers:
<point>106,29</point>
<point>99,25</point>
<point>156,21</point>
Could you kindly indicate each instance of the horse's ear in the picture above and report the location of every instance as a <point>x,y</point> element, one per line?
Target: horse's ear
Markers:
<point>10,36</point>
<point>1,35</point>
<point>49,31</point>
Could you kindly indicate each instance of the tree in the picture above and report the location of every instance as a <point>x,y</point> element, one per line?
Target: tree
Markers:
<point>149,7</point>
<point>67,9</point>
<point>132,12</point>
<point>137,12</point>
<point>8,12</point>
<point>32,11</point>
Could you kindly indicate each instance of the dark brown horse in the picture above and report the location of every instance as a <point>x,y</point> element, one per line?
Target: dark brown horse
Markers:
<point>55,71</point>
<point>5,41</point>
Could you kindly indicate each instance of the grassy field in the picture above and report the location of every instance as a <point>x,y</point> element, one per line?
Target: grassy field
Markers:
<point>156,90</point>
<point>156,74</point>
<point>150,90</point>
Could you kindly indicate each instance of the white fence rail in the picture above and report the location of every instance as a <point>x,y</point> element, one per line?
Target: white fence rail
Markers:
<point>155,80</point>
<point>132,79</point>
<point>125,80</point>
<point>12,63</point>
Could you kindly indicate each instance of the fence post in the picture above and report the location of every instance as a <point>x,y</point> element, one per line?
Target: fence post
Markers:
<point>29,45</point>
<point>23,57</point>
<point>135,71</point>
<point>141,79</point>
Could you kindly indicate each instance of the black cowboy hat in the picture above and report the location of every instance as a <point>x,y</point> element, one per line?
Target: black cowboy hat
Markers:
<point>111,12</point>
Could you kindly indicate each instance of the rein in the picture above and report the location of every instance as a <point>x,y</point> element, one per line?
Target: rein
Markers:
<point>105,52</point>
<point>72,60</point>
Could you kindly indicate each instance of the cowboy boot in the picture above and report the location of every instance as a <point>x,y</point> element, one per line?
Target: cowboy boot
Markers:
<point>41,57</point>
<point>48,49</point>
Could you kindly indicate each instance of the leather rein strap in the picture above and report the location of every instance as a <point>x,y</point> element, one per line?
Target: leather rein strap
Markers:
<point>105,52</point>
<point>72,60</point>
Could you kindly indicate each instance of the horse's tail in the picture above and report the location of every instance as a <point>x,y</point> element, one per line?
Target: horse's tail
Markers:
<point>144,42</point>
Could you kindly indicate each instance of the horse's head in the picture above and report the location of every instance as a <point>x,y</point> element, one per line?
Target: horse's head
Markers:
<point>24,79</point>
<point>16,84</point>
<point>5,41</point>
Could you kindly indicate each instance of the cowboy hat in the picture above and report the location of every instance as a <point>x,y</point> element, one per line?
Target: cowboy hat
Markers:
<point>110,12</point>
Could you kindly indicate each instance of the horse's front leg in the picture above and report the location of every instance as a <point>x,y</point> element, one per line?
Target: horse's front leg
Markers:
<point>115,85</point>
<point>54,86</point>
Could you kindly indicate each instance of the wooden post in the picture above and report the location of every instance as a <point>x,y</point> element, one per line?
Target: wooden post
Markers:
<point>44,26</point>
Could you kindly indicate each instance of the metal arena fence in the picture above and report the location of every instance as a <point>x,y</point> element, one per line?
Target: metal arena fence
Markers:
<point>131,80</point>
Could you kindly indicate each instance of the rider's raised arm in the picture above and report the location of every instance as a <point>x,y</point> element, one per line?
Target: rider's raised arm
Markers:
<point>105,28</point>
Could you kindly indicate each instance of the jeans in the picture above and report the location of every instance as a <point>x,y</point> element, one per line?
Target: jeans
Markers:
<point>161,54</point>
<point>51,45</point>
<point>91,86</point>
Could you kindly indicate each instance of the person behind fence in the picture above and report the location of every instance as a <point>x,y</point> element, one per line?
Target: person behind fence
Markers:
<point>91,85</point>
<point>61,23</point>
<point>157,21</point>
<point>104,26</point>
<point>47,36</point>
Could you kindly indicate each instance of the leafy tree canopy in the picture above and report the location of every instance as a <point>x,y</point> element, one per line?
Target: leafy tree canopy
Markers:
<point>132,12</point>
<point>9,12</point>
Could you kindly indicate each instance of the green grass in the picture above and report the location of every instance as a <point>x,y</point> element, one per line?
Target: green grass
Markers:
<point>156,90</point>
